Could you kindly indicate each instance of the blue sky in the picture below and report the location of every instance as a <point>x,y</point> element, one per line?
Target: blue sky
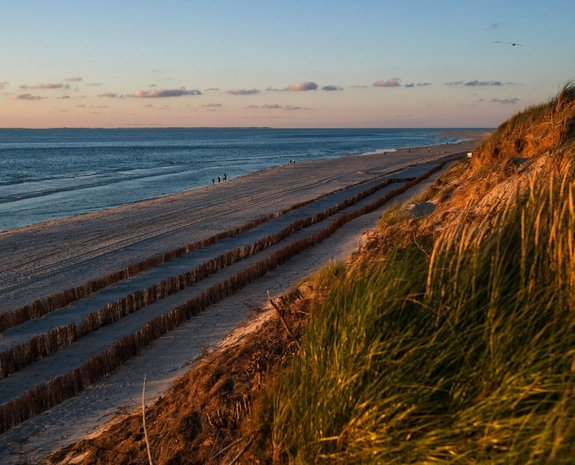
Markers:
<point>361,63</point>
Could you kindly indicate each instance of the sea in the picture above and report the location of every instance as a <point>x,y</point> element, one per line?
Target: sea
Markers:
<point>47,174</point>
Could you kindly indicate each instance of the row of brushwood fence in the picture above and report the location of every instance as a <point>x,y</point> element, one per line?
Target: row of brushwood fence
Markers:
<point>55,391</point>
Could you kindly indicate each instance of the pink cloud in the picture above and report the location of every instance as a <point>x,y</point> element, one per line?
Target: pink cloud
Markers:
<point>74,79</point>
<point>302,86</point>
<point>393,82</point>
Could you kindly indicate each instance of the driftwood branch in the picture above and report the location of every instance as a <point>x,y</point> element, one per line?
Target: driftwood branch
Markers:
<point>144,421</point>
<point>240,453</point>
<point>277,309</point>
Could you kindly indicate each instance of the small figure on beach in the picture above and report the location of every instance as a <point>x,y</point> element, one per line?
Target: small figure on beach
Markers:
<point>225,176</point>
<point>219,180</point>
<point>213,181</point>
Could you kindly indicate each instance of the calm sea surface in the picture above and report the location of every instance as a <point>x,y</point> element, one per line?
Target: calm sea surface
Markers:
<point>54,173</point>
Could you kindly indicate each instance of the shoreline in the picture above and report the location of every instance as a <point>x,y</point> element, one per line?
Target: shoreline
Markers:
<point>465,136</point>
<point>43,259</point>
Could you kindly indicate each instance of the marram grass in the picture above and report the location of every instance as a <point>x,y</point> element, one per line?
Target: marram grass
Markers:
<point>465,356</point>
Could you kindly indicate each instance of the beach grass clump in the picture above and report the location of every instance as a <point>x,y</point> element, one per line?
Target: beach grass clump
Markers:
<point>532,132</point>
<point>460,354</point>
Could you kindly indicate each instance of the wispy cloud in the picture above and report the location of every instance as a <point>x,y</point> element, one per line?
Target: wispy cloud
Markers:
<point>276,106</point>
<point>393,82</point>
<point>302,86</point>
<point>505,101</point>
<point>111,95</point>
<point>94,84</point>
<point>331,88</point>
<point>418,84</point>
<point>212,107</point>
<point>212,89</point>
<point>74,79</point>
<point>46,85</point>
<point>29,97</point>
<point>163,93</point>
<point>295,108</point>
<point>243,92</point>
<point>478,83</point>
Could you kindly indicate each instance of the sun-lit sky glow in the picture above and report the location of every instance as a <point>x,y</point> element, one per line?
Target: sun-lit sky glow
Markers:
<point>320,63</point>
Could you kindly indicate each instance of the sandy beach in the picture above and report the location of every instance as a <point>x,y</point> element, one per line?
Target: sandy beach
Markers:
<point>42,260</point>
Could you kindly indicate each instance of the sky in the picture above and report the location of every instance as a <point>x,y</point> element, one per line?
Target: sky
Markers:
<point>245,63</point>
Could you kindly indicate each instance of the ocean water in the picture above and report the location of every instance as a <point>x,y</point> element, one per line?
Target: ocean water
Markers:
<point>47,174</point>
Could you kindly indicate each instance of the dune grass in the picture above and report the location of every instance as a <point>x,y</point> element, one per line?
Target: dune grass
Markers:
<point>468,359</point>
<point>463,353</point>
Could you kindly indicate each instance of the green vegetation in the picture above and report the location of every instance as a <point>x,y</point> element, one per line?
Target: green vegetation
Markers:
<point>457,347</point>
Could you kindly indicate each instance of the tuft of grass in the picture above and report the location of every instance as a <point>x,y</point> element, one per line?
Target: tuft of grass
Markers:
<point>531,132</point>
<point>467,356</point>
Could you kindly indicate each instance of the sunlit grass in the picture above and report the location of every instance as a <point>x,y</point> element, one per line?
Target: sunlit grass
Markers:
<point>462,351</point>
<point>467,359</point>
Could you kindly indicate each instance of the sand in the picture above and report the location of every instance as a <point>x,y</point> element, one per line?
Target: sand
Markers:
<point>60,254</point>
<point>43,259</point>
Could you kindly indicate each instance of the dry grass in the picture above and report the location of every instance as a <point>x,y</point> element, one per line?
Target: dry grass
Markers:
<point>201,420</point>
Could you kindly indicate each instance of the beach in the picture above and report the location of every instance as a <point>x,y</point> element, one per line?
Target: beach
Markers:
<point>45,259</point>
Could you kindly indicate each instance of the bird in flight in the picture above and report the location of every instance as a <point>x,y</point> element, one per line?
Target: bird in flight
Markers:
<point>514,44</point>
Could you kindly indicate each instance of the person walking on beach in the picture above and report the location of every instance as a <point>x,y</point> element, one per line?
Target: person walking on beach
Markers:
<point>225,176</point>
<point>213,181</point>
<point>219,180</point>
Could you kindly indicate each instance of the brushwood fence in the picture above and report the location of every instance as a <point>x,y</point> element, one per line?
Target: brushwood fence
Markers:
<point>41,307</point>
<point>43,345</point>
<point>55,391</point>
